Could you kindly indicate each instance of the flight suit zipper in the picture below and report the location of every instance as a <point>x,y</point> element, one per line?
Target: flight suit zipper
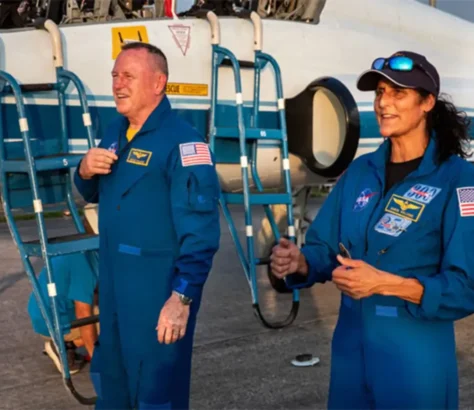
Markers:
<point>380,253</point>
<point>383,198</point>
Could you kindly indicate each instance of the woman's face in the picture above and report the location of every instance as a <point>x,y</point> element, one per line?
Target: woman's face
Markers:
<point>399,110</point>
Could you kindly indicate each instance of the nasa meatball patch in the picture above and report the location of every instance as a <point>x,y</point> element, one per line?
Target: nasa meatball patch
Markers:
<point>113,147</point>
<point>363,199</point>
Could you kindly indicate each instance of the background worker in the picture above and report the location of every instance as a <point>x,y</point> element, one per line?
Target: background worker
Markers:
<point>76,284</point>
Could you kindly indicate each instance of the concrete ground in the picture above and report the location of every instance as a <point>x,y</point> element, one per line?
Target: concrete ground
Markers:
<point>238,364</point>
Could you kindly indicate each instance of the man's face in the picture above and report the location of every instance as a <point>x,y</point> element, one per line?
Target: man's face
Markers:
<point>136,82</point>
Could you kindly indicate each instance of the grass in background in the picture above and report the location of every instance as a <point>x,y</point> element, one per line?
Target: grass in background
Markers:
<point>31,215</point>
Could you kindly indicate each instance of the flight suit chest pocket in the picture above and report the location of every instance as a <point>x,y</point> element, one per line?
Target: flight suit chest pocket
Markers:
<point>135,181</point>
<point>357,211</point>
<point>354,226</point>
<point>400,240</point>
<point>203,196</point>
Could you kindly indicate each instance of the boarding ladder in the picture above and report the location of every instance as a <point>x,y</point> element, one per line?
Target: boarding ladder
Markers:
<point>249,137</point>
<point>37,172</point>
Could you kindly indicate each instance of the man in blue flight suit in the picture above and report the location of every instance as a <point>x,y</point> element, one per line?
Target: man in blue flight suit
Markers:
<point>157,188</point>
<point>403,216</point>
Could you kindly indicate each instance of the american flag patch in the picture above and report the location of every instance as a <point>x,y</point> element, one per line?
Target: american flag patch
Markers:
<point>195,153</point>
<point>466,201</point>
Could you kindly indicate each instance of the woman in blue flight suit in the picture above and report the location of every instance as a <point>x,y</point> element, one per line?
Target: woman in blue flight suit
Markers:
<point>405,213</point>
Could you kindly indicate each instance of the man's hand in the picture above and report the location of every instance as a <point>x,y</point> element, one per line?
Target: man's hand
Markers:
<point>357,278</point>
<point>286,259</point>
<point>97,161</point>
<point>89,332</point>
<point>172,321</point>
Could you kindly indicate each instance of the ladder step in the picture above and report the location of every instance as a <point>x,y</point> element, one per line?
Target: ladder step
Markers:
<point>242,63</point>
<point>259,199</point>
<point>44,163</point>
<point>62,245</point>
<point>250,133</point>
<point>262,261</point>
<point>32,88</point>
<point>38,87</point>
<point>84,322</point>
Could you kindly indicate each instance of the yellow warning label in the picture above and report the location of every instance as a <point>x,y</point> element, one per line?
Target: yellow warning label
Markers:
<point>124,35</point>
<point>187,89</point>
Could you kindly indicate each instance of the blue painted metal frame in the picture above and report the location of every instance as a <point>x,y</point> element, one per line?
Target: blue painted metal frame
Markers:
<point>59,164</point>
<point>249,137</point>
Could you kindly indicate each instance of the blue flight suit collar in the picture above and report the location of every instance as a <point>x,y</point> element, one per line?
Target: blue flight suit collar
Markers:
<point>152,123</point>
<point>381,156</point>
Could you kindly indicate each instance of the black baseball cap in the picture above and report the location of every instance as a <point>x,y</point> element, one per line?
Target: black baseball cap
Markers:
<point>423,74</point>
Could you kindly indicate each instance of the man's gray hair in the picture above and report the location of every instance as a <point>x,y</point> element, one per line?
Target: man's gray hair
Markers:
<point>157,54</point>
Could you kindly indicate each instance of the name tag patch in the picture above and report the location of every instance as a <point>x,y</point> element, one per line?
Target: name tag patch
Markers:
<point>195,153</point>
<point>404,207</point>
<point>422,193</point>
<point>363,199</point>
<point>392,225</point>
<point>139,157</point>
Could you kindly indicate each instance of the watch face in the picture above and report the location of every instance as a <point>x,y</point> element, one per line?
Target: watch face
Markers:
<point>185,300</point>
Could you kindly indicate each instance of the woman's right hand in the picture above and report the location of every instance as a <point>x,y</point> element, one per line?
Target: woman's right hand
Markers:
<point>286,258</point>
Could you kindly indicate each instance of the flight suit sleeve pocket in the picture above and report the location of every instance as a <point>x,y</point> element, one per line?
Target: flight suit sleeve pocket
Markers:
<point>202,195</point>
<point>468,240</point>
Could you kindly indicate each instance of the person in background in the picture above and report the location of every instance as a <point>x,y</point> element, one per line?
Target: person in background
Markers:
<point>76,284</point>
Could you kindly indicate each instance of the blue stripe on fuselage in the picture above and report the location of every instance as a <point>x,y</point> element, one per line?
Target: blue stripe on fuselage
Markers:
<point>45,126</point>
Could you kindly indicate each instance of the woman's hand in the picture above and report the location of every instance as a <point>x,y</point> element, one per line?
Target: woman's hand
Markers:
<point>286,259</point>
<point>357,278</point>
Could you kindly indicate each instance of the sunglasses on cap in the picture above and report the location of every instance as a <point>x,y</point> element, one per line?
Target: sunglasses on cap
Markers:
<point>400,63</point>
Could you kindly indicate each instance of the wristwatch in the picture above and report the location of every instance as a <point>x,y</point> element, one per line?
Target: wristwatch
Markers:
<point>183,299</point>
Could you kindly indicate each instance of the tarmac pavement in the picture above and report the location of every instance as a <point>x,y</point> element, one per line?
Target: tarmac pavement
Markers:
<point>238,364</point>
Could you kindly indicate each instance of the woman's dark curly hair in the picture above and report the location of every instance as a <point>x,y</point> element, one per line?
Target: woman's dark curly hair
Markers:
<point>449,127</point>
